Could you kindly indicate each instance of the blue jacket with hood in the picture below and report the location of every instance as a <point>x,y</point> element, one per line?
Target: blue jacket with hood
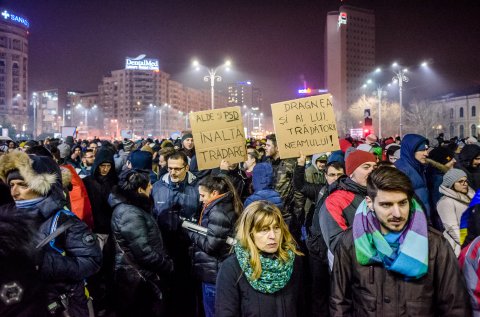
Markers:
<point>263,188</point>
<point>414,169</point>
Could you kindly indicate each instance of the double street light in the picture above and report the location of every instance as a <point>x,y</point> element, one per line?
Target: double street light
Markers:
<point>399,77</point>
<point>212,76</point>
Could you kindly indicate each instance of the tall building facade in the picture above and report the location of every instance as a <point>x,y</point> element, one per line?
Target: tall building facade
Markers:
<point>245,95</point>
<point>349,57</point>
<point>128,96</point>
<point>14,70</point>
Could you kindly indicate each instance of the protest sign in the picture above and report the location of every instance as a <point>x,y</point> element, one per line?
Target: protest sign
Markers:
<point>218,135</point>
<point>306,124</point>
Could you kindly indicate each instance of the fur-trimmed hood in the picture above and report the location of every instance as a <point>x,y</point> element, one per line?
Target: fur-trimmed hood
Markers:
<point>441,167</point>
<point>39,172</point>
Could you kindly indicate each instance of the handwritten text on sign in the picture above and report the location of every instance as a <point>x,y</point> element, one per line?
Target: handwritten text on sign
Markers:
<point>218,135</point>
<point>305,124</point>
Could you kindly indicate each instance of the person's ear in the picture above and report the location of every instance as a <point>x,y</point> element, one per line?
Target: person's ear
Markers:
<point>369,202</point>
<point>187,168</point>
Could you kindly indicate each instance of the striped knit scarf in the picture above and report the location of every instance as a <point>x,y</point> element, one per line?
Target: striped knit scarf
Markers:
<point>409,259</point>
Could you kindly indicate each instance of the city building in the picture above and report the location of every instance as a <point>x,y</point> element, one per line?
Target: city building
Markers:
<point>249,98</point>
<point>461,115</point>
<point>14,71</point>
<point>349,57</point>
<point>146,101</point>
<point>47,119</point>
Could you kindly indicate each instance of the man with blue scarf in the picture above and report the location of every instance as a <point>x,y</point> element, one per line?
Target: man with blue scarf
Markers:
<point>391,263</point>
<point>66,260</point>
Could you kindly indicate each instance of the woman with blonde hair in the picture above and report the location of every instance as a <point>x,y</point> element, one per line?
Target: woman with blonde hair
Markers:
<point>263,277</point>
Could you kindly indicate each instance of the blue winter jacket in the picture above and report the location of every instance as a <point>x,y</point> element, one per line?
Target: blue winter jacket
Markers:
<point>414,169</point>
<point>172,200</point>
<point>263,188</point>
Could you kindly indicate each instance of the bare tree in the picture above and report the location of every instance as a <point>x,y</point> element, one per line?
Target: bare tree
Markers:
<point>424,118</point>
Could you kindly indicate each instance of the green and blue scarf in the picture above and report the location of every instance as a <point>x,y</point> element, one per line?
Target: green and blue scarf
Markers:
<point>405,253</point>
<point>275,274</point>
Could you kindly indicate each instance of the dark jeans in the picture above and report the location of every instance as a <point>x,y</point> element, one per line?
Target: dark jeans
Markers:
<point>319,276</point>
<point>209,292</point>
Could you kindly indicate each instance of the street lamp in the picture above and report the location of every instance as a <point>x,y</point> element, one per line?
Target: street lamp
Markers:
<point>400,77</point>
<point>212,76</point>
<point>34,134</point>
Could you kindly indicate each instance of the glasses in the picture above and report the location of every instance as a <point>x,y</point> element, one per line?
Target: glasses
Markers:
<point>176,169</point>
<point>335,175</point>
<point>462,182</point>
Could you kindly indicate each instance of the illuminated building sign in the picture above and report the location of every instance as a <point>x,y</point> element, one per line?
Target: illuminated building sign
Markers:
<point>15,18</point>
<point>305,91</point>
<point>142,63</point>
<point>342,18</point>
<point>308,91</point>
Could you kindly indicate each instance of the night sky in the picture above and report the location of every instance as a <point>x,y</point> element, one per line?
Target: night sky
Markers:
<point>273,43</point>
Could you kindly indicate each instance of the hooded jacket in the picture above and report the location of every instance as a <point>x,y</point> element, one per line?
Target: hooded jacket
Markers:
<point>415,170</point>
<point>263,187</point>
<point>63,274</point>
<point>450,208</point>
<point>99,188</point>
<point>338,210</point>
<point>465,158</point>
<point>210,250</point>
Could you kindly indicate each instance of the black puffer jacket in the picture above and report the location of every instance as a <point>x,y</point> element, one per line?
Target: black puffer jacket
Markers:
<point>359,290</point>
<point>138,238</point>
<point>219,217</point>
<point>236,297</point>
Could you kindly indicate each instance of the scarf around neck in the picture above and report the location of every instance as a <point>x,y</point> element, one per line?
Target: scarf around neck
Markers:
<point>407,255</point>
<point>275,274</point>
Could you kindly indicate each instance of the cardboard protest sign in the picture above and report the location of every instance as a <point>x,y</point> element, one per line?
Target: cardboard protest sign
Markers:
<point>305,124</point>
<point>218,135</point>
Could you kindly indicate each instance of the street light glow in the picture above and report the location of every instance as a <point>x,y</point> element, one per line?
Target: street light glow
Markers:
<point>395,64</point>
<point>228,63</point>
<point>378,70</point>
<point>424,64</point>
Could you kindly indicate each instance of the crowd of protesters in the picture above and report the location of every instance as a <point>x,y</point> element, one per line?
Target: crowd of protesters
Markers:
<point>384,227</point>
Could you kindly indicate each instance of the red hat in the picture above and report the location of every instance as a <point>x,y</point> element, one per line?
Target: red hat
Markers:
<point>357,158</point>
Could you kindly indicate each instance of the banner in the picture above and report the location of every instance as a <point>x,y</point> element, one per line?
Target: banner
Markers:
<point>218,135</point>
<point>69,131</point>
<point>305,124</point>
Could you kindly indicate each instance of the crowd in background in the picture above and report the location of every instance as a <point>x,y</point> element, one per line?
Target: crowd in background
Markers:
<point>134,228</point>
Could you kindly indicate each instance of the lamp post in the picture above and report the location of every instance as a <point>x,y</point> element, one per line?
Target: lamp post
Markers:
<point>34,134</point>
<point>212,77</point>
<point>400,77</point>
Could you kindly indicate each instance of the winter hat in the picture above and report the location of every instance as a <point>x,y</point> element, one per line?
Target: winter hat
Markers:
<point>64,150</point>
<point>322,158</point>
<point>141,160</point>
<point>357,158</point>
<point>452,176</point>
<point>186,136</point>
<point>422,146</point>
<point>147,148</point>
<point>69,140</point>
<point>371,138</point>
<point>39,172</point>
<point>166,143</point>
<point>441,155</point>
